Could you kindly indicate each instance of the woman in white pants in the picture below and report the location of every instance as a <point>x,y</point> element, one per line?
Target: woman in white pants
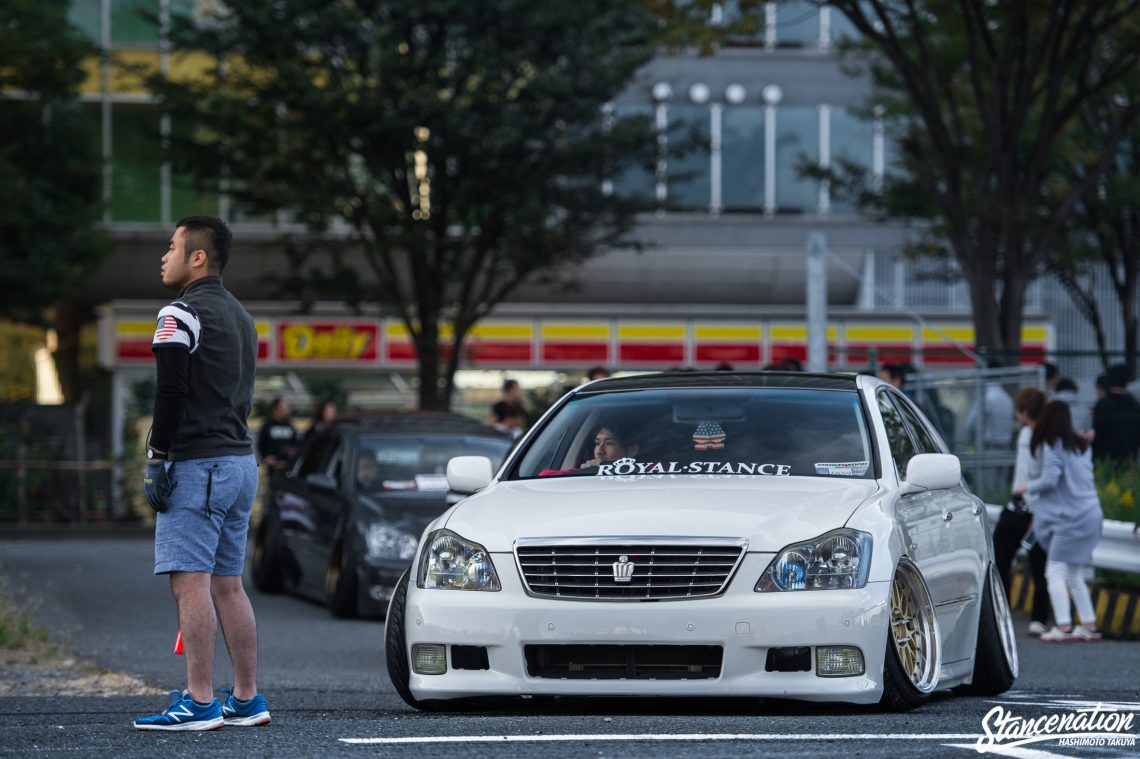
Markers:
<point>1066,518</point>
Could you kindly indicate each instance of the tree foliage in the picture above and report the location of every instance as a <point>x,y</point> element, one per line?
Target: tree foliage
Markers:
<point>50,188</point>
<point>1104,228</point>
<point>986,98</point>
<point>440,153</point>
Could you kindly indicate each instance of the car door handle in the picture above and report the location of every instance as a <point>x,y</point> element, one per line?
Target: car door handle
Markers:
<point>947,516</point>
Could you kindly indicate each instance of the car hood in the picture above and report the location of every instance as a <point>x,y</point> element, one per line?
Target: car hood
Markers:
<point>769,514</point>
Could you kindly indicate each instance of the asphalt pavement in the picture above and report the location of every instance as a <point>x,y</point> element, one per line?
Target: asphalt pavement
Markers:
<point>329,693</point>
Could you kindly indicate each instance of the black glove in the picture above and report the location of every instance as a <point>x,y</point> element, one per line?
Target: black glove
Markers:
<point>156,486</point>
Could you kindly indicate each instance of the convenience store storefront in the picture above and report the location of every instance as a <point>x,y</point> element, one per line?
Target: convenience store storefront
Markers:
<point>519,337</point>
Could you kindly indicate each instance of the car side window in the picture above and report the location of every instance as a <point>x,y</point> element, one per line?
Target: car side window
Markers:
<point>902,447</point>
<point>316,457</point>
<point>926,442</point>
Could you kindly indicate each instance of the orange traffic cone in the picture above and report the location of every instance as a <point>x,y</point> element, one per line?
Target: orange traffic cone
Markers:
<point>178,644</point>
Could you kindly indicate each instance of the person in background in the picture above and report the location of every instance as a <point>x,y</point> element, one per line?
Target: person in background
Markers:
<point>1065,390</point>
<point>1067,519</point>
<point>1116,420</point>
<point>277,440</point>
<point>512,421</point>
<point>894,374</point>
<point>992,415</point>
<point>1017,517</point>
<point>1052,377</point>
<point>201,476</point>
<point>597,372</point>
<point>323,415</point>
<point>512,395</point>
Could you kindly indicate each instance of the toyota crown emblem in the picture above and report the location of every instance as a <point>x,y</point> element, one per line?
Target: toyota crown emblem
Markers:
<point>623,569</point>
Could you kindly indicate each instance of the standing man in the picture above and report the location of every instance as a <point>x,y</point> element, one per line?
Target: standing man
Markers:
<point>277,441</point>
<point>201,475</point>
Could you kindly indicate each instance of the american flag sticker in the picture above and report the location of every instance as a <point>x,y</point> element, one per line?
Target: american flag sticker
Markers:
<point>166,329</point>
<point>709,436</point>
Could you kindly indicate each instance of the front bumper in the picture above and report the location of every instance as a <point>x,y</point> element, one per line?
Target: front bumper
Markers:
<point>744,623</point>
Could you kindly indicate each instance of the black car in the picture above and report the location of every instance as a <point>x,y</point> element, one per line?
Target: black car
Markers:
<point>344,522</point>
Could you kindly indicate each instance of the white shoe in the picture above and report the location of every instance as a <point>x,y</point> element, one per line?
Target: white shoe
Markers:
<point>1057,635</point>
<point>1080,632</point>
<point>1036,628</point>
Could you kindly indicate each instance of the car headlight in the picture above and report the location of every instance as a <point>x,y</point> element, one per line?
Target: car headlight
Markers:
<point>838,560</point>
<point>387,542</point>
<point>452,563</point>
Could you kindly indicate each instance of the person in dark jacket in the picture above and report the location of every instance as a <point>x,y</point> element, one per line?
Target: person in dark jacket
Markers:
<point>277,441</point>
<point>201,476</point>
<point>1116,420</point>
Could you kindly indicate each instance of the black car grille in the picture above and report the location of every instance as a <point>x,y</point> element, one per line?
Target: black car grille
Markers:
<point>618,662</point>
<point>660,571</point>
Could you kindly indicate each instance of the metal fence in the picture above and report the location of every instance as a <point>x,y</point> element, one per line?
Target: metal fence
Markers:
<point>973,409</point>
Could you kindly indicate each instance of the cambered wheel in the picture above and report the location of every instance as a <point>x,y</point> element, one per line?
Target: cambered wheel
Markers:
<point>340,582</point>
<point>914,649</point>
<point>995,655</point>
<point>396,649</point>
<point>266,566</point>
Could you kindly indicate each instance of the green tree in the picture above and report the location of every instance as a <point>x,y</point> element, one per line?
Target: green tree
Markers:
<point>1104,229</point>
<point>50,188</point>
<point>985,98</point>
<point>440,153</point>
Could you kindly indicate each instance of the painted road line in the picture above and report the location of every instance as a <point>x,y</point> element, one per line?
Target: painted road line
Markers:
<point>1018,752</point>
<point>570,738</point>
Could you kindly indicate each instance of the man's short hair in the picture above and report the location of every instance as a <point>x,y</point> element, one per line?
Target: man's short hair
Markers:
<point>208,233</point>
<point>1118,376</point>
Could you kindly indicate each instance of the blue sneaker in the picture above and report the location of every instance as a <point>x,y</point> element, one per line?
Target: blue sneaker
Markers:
<point>184,714</point>
<point>249,713</point>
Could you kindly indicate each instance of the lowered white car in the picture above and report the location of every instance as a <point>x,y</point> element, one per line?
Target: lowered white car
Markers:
<point>784,535</point>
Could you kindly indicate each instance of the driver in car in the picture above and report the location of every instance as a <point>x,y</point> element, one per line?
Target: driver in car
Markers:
<point>367,473</point>
<point>611,442</point>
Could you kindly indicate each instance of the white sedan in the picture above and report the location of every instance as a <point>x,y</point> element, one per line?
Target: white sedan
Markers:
<point>784,535</point>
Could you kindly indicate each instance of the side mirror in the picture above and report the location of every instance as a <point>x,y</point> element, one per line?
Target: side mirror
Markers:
<point>466,474</point>
<point>933,471</point>
<point>320,481</point>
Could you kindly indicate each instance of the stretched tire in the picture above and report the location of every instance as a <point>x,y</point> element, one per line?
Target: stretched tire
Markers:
<point>396,649</point>
<point>914,647</point>
<point>995,654</point>
<point>341,582</point>
<point>267,566</point>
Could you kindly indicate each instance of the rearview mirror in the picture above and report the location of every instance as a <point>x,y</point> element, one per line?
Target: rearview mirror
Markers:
<point>933,471</point>
<point>466,474</point>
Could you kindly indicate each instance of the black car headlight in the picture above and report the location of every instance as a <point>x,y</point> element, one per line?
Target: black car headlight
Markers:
<point>451,563</point>
<point>387,542</point>
<point>839,560</point>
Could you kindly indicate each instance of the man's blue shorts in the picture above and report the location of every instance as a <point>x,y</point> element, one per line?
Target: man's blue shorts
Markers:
<point>205,527</point>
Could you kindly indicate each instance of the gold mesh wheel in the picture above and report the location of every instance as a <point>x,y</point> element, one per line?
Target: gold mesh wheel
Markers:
<point>914,628</point>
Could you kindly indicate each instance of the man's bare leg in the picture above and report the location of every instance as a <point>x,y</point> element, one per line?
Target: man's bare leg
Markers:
<point>199,625</point>
<point>240,630</point>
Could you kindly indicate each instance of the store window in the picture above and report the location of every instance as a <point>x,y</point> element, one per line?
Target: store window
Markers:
<point>689,187</point>
<point>84,14</point>
<point>634,181</point>
<point>852,139</point>
<point>797,139</point>
<point>797,23</point>
<point>742,158</point>
<point>136,160</point>
<point>134,21</point>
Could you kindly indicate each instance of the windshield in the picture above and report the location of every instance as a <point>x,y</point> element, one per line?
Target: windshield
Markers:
<point>418,462</point>
<point>707,431</point>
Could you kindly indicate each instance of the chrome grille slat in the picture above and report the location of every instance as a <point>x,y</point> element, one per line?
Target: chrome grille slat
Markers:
<point>663,571</point>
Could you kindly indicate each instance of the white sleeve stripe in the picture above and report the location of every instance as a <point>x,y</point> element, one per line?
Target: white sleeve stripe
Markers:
<point>184,314</point>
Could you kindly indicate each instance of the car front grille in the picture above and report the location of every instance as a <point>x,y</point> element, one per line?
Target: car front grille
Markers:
<point>602,570</point>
